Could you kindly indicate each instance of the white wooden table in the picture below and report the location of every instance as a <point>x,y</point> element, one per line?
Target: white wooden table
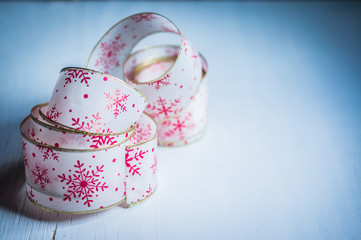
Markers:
<point>282,155</point>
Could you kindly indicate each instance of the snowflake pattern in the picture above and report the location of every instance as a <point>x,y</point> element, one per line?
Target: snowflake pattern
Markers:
<point>148,192</point>
<point>100,140</point>
<point>108,55</point>
<point>83,183</point>
<point>195,57</point>
<point>134,138</point>
<point>125,191</point>
<point>40,176</point>
<point>31,194</point>
<point>74,74</point>
<point>53,113</point>
<point>196,62</point>
<point>143,133</point>
<point>164,108</point>
<point>146,17</point>
<point>176,126</point>
<point>154,165</point>
<point>179,125</point>
<point>132,161</point>
<point>161,82</point>
<point>117,102</point>
<point>48,153</point>
<point>184,40</point>
<point>92,126</point>
<point>32,134</point>
<point>24,152</point>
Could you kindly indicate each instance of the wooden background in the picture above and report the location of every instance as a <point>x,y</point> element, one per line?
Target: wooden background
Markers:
<point>282,155</point>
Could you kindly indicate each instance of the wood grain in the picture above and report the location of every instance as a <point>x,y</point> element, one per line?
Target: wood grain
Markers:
<point>281,157</point>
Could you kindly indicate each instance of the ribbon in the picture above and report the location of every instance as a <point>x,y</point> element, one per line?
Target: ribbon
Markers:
<point>94,145</point>
<point>169,90</point>
<point>185,124</point>
<point>77,157</point>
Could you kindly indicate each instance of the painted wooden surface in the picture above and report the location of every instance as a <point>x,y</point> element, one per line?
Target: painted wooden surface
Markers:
<point>282,155</point>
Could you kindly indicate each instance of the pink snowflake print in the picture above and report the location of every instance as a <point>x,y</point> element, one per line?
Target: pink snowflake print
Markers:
<point>196,62</point>
<point>102,140</point>
<point>176,127</point>
<point>92,126</point>
<point>134,138</point>
<point>40,176</point>
<point>32,134</point>
<point>132,161</point>
<point>195,57</point>
<point>49,154</point>
<point>168,130</point>
<point>146,17</point>
<point>41,148</point>
<point>125,191</point>
<point>154,165</point>
<point>74,74</point>
<point>53,113</point>
<point>116,102</point>
<point>148,192</point>
<point>164,108</point>
<point>161,83</point>
<point>83,183</point>
<point>31,194</point>
<point>184,39</point>
<point>144,133</point>
<point>78,124</point>
<point>179,125</point>
<point>24,152</point>
<point>108,55</point>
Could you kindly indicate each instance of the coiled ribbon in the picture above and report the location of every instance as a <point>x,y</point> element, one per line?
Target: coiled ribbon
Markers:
<point>94,145</point>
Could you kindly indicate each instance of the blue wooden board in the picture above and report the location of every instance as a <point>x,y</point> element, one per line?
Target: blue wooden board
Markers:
<point>282,155</point>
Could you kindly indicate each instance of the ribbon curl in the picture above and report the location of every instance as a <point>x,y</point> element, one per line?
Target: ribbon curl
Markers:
<point>94,145</point>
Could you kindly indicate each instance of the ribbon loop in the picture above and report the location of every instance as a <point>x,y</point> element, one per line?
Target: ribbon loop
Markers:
<point>94,145</point>
<point>187,124</point>
<point>176,86</point>
<point>90,101</point>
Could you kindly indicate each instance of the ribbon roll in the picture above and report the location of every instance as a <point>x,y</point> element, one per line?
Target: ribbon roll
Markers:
<point>189,123</point>
<point>94,145</point>
<point>169,91</point>
<point>80,164</point>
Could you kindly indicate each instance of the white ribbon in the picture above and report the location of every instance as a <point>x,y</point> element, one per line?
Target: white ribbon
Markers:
<point>94,145</point>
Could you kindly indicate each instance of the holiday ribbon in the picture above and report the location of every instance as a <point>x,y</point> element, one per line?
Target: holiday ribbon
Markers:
<point>170,90</point>
<point>76,158</point>
<point>188,124</point>
<point>93,146</point>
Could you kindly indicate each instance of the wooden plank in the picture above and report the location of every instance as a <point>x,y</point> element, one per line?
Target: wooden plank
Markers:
<point>281,158</point>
